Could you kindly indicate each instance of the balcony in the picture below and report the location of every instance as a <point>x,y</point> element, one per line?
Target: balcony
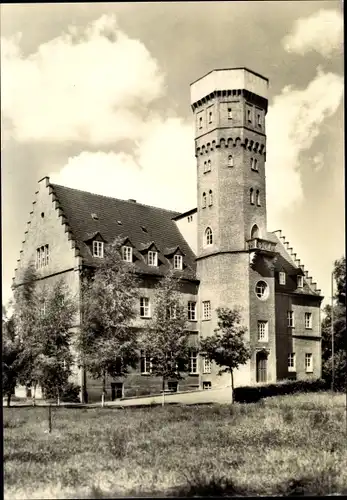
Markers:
<point>261,246</point>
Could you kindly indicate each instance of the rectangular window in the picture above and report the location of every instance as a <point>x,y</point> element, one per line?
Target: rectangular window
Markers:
<point>207,365</point>
<point>192,311</point>
<point>282,278</point>
<point>200,121</point>
<point>42,257</point>
<point>208,166</point>
<point>145,307</point>
<point>290,318</point>
<point>171,312</point>
<point>308,362</point>
<point>263,331</point>
<point>230,114</point>
<point>259,120</point>
<point>255,164</point>
<point>207,385</point>
<point>98,249</point>
<point>249,116</point>
<point>291,362</point>
<point>178,262</point>
<point>193,362</point>
<point>152,258</point>
<point>146,364</point>
<point>206,309</point>
<point>172,386</point>
<point>308,321</point>
<point>128,254</point>
<point>210,116</point>
<point>43,308</point>
<point>300,281</point>
<point>46,255</point>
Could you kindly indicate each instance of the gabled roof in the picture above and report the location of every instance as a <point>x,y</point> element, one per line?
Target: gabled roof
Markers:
<point>287,262</point>
<point>140,223</point>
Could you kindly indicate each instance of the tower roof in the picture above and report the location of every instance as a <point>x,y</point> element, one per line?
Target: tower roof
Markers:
<point>229,79</point>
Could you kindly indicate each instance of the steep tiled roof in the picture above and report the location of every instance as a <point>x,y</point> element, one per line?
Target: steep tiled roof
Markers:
<point>142,224</point>
<point>287,262</point>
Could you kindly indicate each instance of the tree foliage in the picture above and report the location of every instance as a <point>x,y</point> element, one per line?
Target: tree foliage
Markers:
<point>43,319</point>
<point>107,343</point>
<point>11,356</point>
<point>227,347</point>
<point>166,339</point>
<point>340,339</point>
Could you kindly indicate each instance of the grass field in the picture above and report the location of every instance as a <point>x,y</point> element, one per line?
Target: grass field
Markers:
<point>283,445</point>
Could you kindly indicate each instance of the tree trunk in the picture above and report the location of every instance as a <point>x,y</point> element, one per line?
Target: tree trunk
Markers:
<point>232,386</point>
<point>33,395</point>
<point>9,399</point>
<point>49,418</point>
<point>103,389</point>
<point>163,388</point>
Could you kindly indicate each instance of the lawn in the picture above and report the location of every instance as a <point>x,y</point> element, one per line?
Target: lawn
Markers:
<point>282,445</point>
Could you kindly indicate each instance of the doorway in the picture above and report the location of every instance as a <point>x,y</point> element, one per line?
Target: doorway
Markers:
<point>116,390</point>
<point>261,361</point>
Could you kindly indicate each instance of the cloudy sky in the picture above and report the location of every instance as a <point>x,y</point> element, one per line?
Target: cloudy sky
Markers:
<point>97,97</point>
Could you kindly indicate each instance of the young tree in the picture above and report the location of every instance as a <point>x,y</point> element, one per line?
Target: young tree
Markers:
<point>107,342</point>
<point>53,365</point>
<point>340,339</point>
<point>11,355</point>
<point>227,347</point>
<point>166,339</point>
<point>43,319</point>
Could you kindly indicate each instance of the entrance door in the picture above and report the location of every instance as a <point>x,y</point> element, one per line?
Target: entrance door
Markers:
<point>116,390</point>
<point>261,367</point>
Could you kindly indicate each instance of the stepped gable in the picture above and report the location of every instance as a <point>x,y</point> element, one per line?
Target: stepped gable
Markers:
<point>288,262</point>
<point>88,214</point>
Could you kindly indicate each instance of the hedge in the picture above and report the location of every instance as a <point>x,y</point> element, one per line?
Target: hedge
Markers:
<point>253,394</point>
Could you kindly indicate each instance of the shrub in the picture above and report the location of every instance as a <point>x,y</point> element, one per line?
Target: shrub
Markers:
<point>253,394</point>
<point>71,393</point>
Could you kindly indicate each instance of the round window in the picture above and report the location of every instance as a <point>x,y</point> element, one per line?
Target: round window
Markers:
<point>262,290</point>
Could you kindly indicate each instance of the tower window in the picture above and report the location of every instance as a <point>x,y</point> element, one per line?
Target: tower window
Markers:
<point>291,362</point>
<point>208,236</point>
<point>258,198</point>
<point>255,232</point>
<point>230,161</point>
<point>206,309</point>
<point>254,164</point>
<point>200,121</point>
<point>263,331</point>
<point>262,290</point>
<point>308,362</point>
<point>290,319</point>
<point>178,262</point>
<point>204,199</point>
<point>210,116</point>
<point>300,281</point>
<point>230,114</point>
<point>249,116</point>
<point>259,120</point>
<point>192,311</point>
<point>210,198</point>
<point>98,249</point>
<point>308,321</point>
<point>208,166</point>
<point>251,196</point>
<point>282,278</point>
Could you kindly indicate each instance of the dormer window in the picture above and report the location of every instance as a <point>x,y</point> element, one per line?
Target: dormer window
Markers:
<point>127,254</point>
<point>282,278</point>
<point>178,262</point>
<point>300,281</point>
<point>152,259</point>
<point>98,249</point>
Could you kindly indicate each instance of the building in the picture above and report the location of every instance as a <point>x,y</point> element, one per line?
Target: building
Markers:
<point>221,249</point>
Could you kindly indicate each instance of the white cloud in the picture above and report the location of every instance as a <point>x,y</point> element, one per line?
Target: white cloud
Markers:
<point>91,84</point>
<point>321,32</point>
<point>293,123</point>
<point>161,171</point>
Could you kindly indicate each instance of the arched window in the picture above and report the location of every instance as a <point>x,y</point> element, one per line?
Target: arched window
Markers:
<point>258,198</point>
<point>230,161</point>
<point>208,165</point>
<point>208,237</point>
<point>255,232</point>
<point>210,199</point>
<point>251,196</point>
<point>203,200</point>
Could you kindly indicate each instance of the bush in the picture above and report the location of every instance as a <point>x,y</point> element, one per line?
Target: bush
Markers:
<point>71,393</point>
<point>253,394</point>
